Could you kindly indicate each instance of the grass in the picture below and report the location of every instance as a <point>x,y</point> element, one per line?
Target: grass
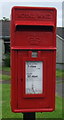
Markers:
<point>59,73</point>
<point>0,68</point>
<point>4,77</point>
<point>6,110</point>
<point>6,69</point>
<point>58,82</point>
<point>0,100</point>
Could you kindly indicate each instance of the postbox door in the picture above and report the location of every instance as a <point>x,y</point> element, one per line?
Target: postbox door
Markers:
<point>32,98</point>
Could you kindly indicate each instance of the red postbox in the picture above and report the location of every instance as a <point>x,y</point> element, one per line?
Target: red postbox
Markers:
<point>33,59</point>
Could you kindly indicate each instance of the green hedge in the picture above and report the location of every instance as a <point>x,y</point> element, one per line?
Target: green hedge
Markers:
<point>7,60</point>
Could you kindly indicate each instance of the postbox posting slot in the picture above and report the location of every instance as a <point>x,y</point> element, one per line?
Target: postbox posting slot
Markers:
<point>34,28</point>
<point>32,35</point>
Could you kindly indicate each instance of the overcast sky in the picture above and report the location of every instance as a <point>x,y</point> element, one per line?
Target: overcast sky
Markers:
<point>5,7</point>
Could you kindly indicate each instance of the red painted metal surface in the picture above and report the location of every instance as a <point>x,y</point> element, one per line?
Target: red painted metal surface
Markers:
<point>33,29</point>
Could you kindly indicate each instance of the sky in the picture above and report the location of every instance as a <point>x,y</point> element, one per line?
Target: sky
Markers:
<point>5,7</point>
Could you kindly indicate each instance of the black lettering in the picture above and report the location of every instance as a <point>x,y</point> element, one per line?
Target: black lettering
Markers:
<point>34,76</point>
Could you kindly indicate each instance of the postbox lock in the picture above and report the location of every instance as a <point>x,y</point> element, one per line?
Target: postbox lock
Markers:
<point>34,54</point>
